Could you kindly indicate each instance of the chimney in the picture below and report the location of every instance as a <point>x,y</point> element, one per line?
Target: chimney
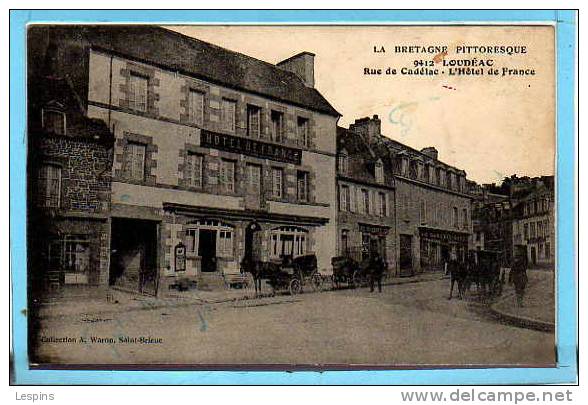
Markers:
<point>370,128</point>
<point>431,152</point>
<point>302,65</point>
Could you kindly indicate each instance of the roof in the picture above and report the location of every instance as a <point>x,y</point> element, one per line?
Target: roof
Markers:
<point>193,57</point>
<point>397,146</point>
<point>362,158</point>
<point>57,94</point>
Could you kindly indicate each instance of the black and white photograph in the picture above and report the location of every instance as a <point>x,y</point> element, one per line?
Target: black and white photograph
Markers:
<point>283,197</point>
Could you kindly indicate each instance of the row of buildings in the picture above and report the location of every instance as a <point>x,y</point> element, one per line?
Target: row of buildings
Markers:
<point>154,156</point>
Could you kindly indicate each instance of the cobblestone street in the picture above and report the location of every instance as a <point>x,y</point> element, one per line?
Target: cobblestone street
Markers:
<point>409,324</point>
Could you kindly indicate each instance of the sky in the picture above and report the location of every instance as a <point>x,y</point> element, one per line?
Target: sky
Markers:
<point>489,126</point>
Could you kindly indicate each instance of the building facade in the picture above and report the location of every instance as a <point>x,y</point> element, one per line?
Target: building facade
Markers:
<point>217,155</point>
<point>69,179</point>
<point>432,204</point>
<point>365,217</point>
<point>492,222</point>
<point>533,224</point>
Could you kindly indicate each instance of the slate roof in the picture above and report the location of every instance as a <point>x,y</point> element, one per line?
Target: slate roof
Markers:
<point>361,158</point>
<point>56,93</point>
<point>200,59</point>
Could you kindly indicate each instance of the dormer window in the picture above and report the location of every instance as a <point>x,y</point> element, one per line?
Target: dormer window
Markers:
<point>342,162</point>
<point>379,172</point>
<point>53,121</point>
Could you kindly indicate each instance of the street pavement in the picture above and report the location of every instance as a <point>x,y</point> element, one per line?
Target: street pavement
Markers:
<point>406,325</point>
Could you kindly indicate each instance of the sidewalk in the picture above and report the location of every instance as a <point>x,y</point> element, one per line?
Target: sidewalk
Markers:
<point>91,302</point>
<point>538,311</point>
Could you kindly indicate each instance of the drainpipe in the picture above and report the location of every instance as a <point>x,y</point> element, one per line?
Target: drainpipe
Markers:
<point>110,91</point>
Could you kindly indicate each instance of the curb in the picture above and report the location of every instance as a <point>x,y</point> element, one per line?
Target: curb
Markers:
<point>148,306</point>
<point>520,321</point>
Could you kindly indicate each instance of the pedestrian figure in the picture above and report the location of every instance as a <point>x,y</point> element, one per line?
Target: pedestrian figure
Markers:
<point>376,271</point>
<point>518,275</point>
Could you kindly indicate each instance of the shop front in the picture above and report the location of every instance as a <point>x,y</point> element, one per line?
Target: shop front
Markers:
<point>437,246</point>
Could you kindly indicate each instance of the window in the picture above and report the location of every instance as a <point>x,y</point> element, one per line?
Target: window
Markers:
<point>450,181</point>
<point>225,244</point>
<point>438,176</point>
<point>546,228</point>
<point>49,191</point>
<point>547,250</point>
<point>254,178</point>
<point>344,198</point>
<point>135,161</point>
<point>532,228</point>
<point>423,212</point>
<point>194,169</point>
<point>465,219</point>
<point>302,186</point>
<point>196,109</point>
<point>277,128</point>
<point>379,172</point>
<point>540,233</point>
<point>138,86</point>
<point>54,122</point>
<point>76,254</point>
<point>302,131</point>
<point>342,162</point>
<point>526,231</point>
<point>413,169</point>
<point>228,110</point>
<point>455,219</point>
<point>253,121</point>
<point>277,182</point>
<point>364,203</point>
<point>344,242</point>
<point>223,233</point>
<point>288,241</point>
<point>227,175</point>
<point>383,205</point>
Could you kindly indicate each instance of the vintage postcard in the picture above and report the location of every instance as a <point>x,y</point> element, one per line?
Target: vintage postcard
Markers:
<point>291,196</point>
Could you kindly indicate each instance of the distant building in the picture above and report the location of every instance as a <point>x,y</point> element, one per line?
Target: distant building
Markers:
<point>492,223</point>
<point>533,223</point>
<point>217,155</point>
<point>365,216</point>
<point>432,205</point>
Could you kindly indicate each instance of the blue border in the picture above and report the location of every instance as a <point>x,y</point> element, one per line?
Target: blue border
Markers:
<point>566,199</point>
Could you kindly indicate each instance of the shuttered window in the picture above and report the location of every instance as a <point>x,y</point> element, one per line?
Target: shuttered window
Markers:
<point>49,189</point>
<point>227,175</point>
<point>137,94</point>
<point>135,161</point>
<point>194,169</point>
<point>277,182</point>
<point>196,102</point>
<point>302,186</point>
<point>253,121</point>
<point>228,110</point>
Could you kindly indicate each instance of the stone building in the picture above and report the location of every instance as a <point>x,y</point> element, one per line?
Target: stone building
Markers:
<point>432,204</point>
<point>69,177</point>
<point>533,224</point>
<point>217,155</point>
<point>365,217</point>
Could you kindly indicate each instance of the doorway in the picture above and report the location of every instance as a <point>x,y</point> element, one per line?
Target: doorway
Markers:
<point>133,263</point>
<point>533,255</point>
<point>405,257</point>
<point>207,250</point>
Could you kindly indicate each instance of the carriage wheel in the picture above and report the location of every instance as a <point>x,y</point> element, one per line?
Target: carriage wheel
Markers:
<point>295,286</point>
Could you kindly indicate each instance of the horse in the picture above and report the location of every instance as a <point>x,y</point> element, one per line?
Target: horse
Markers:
<point>259,271</point>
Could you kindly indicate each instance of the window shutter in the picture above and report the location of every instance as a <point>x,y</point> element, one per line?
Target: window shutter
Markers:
<point>352,199</point>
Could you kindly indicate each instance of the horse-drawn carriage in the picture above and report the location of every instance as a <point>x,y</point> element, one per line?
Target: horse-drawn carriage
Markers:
<point>288,274</point>
<point>480,268</point>
<point>354,273</point>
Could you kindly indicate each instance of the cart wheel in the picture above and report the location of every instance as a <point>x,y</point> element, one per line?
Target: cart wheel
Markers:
<point>316,281</point>
<point>295,286</point>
